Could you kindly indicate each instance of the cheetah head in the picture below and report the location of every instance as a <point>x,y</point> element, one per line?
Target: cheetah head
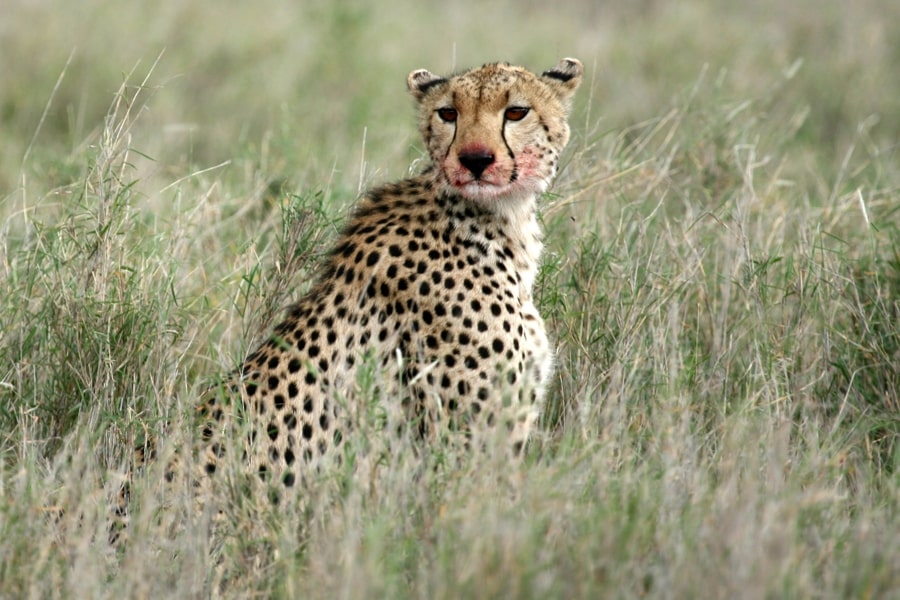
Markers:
<point>495,133</point>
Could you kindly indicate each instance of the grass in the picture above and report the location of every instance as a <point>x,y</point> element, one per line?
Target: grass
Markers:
<point>721,278</point>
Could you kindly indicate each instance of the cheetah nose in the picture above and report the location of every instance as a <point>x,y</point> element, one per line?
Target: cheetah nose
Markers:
<point>476,161</point>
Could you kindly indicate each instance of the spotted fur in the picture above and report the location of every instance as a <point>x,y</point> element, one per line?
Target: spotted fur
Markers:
<point>430,282</point>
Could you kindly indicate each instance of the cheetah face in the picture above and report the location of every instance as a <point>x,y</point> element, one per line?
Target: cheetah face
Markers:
<point>495,133</point>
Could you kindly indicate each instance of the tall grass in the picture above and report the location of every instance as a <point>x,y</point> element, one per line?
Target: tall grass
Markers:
<point>721,279</point>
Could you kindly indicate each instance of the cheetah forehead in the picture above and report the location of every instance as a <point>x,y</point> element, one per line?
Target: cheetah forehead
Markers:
<point>499,78</point>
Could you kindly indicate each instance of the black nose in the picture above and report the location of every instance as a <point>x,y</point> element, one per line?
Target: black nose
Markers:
<point>476,162</point>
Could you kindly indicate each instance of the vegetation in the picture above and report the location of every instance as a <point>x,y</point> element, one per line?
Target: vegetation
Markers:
<point>722,278</point>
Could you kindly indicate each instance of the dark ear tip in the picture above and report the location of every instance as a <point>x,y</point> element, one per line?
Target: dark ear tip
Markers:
<point>566,70</point>
<point>420,80</point>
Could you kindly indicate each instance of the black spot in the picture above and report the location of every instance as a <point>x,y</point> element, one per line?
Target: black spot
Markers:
<point>290,421</point>
<point>279,401</point>
<point>373,258</point>
<point>307,431</point>
<point>394,250</point>
<point>497,345</point>
<point>288,479</point>
<point>345,249</point>
<point>294,365</point>
<point>272,431</point>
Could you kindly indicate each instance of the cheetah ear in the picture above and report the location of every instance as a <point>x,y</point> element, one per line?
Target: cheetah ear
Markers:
<point>421,80</point>
<point>565,77</point>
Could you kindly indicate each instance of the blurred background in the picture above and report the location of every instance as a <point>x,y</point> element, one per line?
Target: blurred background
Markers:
<point>317,87</point>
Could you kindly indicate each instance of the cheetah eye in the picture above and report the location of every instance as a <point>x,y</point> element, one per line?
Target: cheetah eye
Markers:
<point>447,115</point>
<point>516,113</point>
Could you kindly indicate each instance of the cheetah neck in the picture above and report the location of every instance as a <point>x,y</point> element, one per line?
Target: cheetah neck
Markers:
<point>508,225</point>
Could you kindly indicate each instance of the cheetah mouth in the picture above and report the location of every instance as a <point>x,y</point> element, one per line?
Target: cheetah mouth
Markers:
<point>479,189</point>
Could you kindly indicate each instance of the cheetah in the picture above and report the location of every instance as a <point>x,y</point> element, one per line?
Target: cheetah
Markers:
<point>430,281</point>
